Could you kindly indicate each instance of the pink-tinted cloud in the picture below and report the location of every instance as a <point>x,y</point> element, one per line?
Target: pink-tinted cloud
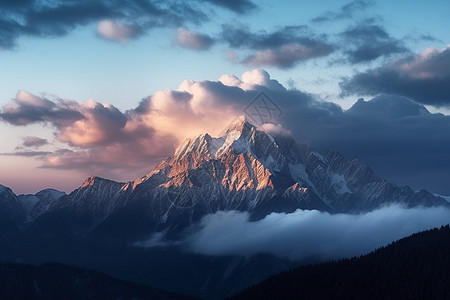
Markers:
<point>193,40</point>
<point>27,108</point>
<point>114,31</point>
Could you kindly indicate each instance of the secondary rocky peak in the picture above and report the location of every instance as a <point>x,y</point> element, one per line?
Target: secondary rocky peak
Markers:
<point>4,189</point>
<point>98,182</point>
<point>89,181</point>
<point>51,194</point>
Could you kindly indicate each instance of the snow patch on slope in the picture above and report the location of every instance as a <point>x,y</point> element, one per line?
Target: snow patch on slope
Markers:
<point>339,184</point>
<point>298,173</point>
<point>446,198</point>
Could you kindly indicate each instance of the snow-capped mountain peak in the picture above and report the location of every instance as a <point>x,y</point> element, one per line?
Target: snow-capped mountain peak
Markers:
<point>241,137</point>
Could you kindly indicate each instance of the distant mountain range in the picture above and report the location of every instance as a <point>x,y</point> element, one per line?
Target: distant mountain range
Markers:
<point>245,169</point>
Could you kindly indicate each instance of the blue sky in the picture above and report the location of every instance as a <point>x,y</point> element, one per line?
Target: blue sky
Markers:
<point>117,53</point>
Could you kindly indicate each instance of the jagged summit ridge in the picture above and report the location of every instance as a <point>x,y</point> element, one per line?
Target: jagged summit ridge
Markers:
<point>241,137</point>
<point>215,146</point>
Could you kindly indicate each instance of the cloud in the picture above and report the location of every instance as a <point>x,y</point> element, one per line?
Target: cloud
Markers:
<point>285,56</point>
<point>53,19</point>
<point>116,20</point>
<point>366,42</point>
<point>397,137</point>
<point>238,6</point>
<point>345,12</point>
<point>275,129</point>
<point>283,48</point>
<point>304,234</point>
<point>39,154</point>
<point>193,40</point>
<point>103,138</point>
<point>28,108</point>
<point>111,30</point>
<point>423,77</point>
<point>34,141</point>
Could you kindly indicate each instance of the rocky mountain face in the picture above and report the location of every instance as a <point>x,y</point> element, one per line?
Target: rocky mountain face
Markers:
<point>11,210</point>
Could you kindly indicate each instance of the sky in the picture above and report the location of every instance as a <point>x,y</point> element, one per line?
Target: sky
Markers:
<point>110,88</point>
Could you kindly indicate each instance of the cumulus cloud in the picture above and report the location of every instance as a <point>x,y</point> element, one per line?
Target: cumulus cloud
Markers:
<point>283,48</point>
<point>311,234</point>
<point>114,31</point>
<point>423,77</point>
<point>193,40</point>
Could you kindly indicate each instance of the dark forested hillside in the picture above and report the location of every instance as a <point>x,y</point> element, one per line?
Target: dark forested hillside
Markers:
<point>416,267</point>
<point>54,281</point>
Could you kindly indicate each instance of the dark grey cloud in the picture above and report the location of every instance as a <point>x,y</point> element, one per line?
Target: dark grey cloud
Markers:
<point>240,36</point>
<point>398,138</point>
<point>34,141</point>
<point>238,6</point>
<point>282,48</point>
<point>58,18</point>
<point>423,77</point>
<point>366,42</point>
<point>345,12</point>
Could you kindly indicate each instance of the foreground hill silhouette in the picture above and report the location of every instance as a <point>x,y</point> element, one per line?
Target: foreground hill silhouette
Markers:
<point>55,281</point>
<point>416,267</point>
